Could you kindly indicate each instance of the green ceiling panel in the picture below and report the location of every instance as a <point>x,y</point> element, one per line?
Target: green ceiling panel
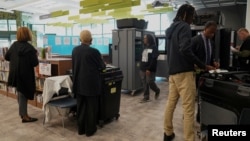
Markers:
<point>87,10</point>
<point>65,12</point>
<point>87,3</point>
<point>99,13</point>
<point>137,2</point>
<point>112,1</point>
<point>59,13</point>
<point>56,13</point>
<point>74,17</point>
<point>160,10</point>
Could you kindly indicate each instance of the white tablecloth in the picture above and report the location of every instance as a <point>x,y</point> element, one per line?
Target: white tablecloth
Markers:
<point>51,86</point>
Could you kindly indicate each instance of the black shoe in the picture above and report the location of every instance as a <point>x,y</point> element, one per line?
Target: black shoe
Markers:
<point>157,94</point>
<point>92,133</point>
<point>29,120</point>
<point>168,138</point>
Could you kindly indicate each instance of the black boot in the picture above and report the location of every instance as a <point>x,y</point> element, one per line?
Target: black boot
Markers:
<point>168,138</point>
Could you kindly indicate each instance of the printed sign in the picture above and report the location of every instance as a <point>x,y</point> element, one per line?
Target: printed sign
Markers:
<point>45,69</point>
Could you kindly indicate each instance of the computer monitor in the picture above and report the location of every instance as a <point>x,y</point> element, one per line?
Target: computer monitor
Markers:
<point>161,43</point>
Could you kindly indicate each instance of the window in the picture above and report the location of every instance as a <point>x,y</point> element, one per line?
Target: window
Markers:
<point>58,30</point>
<point>96,29</point>
<point>69,31</point>
<point>3,25</point>
<point>77,28</point>
<point>153,22</point>
<point>4,42</point>
<point>12,25</point>
<point>108,27</point>
<point>38,27</point>
<point>166,20</point>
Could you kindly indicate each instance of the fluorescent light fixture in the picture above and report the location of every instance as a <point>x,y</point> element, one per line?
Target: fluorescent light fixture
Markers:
<point>30,3</point>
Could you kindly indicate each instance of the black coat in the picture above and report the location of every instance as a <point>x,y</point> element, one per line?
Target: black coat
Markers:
<point>23,58</point>
<point>87,64</point>
<point>199,49</point>
<point>180,55</point>
<point>151,64</point>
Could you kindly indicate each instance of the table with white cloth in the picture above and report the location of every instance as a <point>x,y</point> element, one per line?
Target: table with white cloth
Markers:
<point>51,86</point>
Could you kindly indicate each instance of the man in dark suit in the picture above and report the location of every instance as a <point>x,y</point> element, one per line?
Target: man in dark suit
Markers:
<point>87,64</point>
<point>203,47</point>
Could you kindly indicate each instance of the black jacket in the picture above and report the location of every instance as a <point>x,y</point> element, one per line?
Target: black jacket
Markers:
<point>87,64</point>
<point>199,49</point>
<point>180,55</point>
<point>23,58</point>
<point>152,54</point>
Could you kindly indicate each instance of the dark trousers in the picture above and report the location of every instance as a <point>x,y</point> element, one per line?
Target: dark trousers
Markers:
<point>148,82</point>
<point>23,102</point>
<point>87,111</point>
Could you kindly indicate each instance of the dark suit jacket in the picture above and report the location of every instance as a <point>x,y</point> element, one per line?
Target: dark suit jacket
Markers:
<point>198,47</point>
<point>87,64</point>
<point>23,59</point>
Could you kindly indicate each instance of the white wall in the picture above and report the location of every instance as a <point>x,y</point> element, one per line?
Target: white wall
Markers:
<point>248,15</point>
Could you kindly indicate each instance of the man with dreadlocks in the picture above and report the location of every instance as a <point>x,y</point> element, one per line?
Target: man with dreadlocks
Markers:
<point>181,61</point>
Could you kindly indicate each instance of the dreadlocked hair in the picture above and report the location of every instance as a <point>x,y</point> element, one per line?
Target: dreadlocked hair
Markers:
<point>185,13</point>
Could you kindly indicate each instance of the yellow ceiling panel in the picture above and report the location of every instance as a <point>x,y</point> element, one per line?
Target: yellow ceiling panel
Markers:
<point>59,13</point>
<point>87,10</point>
<point>136,2</point>
<point>101,13</point>
<point>65,12</point>
<point>87,3</point>
<point>160,10</point>
<point>120,10</point>
<point>74,17</point>
<point>56,13</point>
<point>112,1</point>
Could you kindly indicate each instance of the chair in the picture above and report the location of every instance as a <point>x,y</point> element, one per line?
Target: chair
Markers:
<point>61,101</point>
<point>245,117</point>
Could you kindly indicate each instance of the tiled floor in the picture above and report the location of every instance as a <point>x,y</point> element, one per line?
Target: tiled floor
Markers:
<point>137,122</point>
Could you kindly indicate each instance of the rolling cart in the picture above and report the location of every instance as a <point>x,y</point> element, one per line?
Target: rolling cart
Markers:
<point>109,101</point>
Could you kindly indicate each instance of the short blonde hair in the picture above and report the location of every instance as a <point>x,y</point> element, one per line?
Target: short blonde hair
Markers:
<point>23,34</point>
<point>242,30</point>
<point>85,36</point>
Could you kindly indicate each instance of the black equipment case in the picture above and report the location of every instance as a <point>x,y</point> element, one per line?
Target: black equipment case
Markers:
<point>109,101</point>
<point>224,98</point>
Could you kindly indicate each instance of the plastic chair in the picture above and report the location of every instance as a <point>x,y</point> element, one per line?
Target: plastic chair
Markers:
<point>64,102</point>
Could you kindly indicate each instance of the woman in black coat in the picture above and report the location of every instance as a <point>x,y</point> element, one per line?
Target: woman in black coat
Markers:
<point>22,57</point>
<point>87,64</point>
<point>148,67</point>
